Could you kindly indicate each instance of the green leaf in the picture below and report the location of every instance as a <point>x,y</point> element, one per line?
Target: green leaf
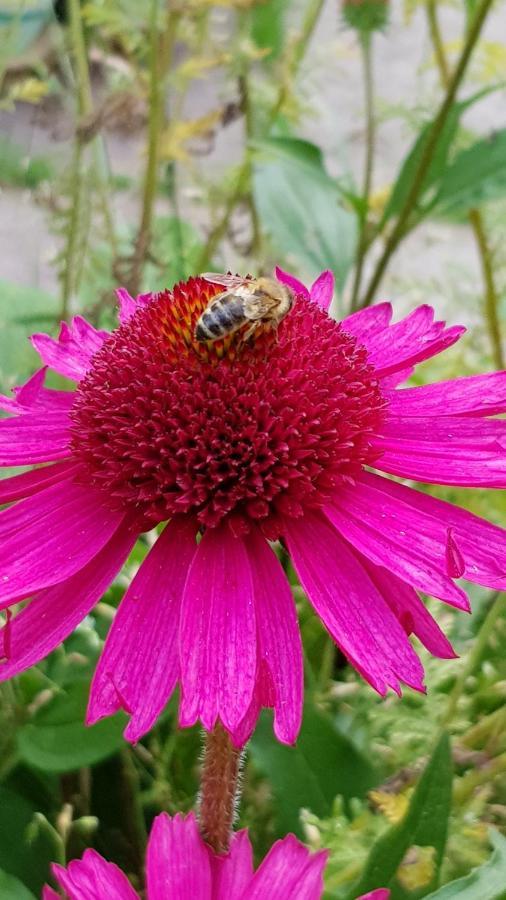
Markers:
<point>56,739</point>
<point>323,764</point>
<point>488,882</point>
<point>425,824</point>
<point>301,208</point>
<point>476,175</point>
<point>13,889</point>
<point>19,858</point>
<point>23,310</point>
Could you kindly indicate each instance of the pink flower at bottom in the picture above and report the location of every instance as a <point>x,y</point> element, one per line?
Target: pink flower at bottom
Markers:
<point>228,447</point>
<point>181,866</point>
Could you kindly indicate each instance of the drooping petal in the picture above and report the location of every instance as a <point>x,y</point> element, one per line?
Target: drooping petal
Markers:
<point>278,636</point>
<point>481,545</point>
<point>20,486</point>
<point>394,536</point>
<point>409,609</point>
<point>232,873</point>
<point>444,450</point>
<point>177,865</point>
<point>322,290</point>
<point>54,613</point>
<point>473,395</point>
<point>34,438</point>
<point>350,606</point>
<point>139,666</point>
<point>292,282</point>
<point>217,640</point>
<point>34,396</point>
<point>71,353</point>
<point>93,878</point>
<point>289,871</point>
<point>53,534</point>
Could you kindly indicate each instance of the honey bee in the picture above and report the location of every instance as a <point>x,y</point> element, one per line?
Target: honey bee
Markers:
<point>246,301</point>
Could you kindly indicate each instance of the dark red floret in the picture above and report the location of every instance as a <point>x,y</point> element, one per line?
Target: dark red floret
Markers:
<point>231,430</point>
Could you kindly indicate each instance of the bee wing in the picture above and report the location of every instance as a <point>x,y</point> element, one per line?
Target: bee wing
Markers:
<point>259,306</point>
<point>229,281</point>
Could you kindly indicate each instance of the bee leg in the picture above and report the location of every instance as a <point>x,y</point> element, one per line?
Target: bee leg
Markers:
<point>249,332</point>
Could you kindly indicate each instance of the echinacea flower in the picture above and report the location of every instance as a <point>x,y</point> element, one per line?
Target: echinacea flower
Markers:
<point>243,444</point>
<point>180,866</point>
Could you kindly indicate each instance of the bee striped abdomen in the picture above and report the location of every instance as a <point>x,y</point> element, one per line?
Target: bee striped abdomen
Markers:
<point>223,316</point>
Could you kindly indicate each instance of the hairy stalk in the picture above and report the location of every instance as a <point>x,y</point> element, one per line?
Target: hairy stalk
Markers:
<point>438,124</point>
<point>495,612</point>
<point>133,817</point>
<point>366,46</point>
<point>242,180</point>
<point>475,216</point>
<point>219,789</point>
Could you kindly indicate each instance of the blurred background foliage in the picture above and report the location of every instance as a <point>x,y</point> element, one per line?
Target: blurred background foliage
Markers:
<point>405,792</point>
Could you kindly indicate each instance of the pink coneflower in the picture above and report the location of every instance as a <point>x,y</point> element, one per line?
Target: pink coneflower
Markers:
<point>243,444</point>
<point>180,866</point>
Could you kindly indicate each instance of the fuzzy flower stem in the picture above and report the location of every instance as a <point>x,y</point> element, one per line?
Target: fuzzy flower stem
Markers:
<point>243,176</point>
<point>366,46</point>
<point>496,611</point>
<point>409,206</point>
<point>219,789</point>
<point>475,216</point>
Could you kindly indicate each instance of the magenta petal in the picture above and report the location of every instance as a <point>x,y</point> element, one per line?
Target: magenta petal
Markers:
<point>350,606</point>
<point>49,894</point>
<point>178,864</point>
<point>139,666</point>
<point>34,438</point>
<point>289,871</point>
<point>20,486</point>
<point>322,290</point>
<point>54,613</point>
<point>409,609</point>
<point>55,533</point>
<point>395,536</point>
<point>278,636</point>
<point>426,519</point>
<point>292,282</point>
<point>366,323</point>
<point>93,878</point>
<point>474,395</point>
<point>34,396</point>
<point>127,305</point>
<point>217,639</point>
<point>232,873</point>
<point>71,353</point>
<point>378,894</point>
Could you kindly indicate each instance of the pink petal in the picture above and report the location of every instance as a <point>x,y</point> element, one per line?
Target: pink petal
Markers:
<point>322,290</point>
<point>409,610</point>
<point>379,894</point>
<point>444,450</point>
<point>139,666</point>
<point>20,486</point>
<point>93,878</point>
<point>263,698</point>
<point>71,353</point>
<point>178,864</point>
<point>34,396</point>
<point>365,323</point>
<point>217,641</point>
<point>232,873</point>
<point>34,438</point>
<point>49,894</point>
<point>54,534</point>
<point>350,606</point>
<point>54,613</point>
<point>128,306</point>
<point>481,544</point>
<point>474,395</point>
<point>292,282</point>
<point>289,871</point>
<point>394,536</point>
<point>278,636</point>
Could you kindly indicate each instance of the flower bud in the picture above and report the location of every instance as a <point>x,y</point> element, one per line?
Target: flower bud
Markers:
<point>366,16</point>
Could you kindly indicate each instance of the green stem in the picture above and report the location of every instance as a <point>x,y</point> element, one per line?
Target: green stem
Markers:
<point>475,216</point>
<point>466,786</point>
<point>366,46</point>
<point>410,202</point>
<point>243,176</point>
<point>133,816</point>
<point>497,609</point>
<point>219,789</point>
